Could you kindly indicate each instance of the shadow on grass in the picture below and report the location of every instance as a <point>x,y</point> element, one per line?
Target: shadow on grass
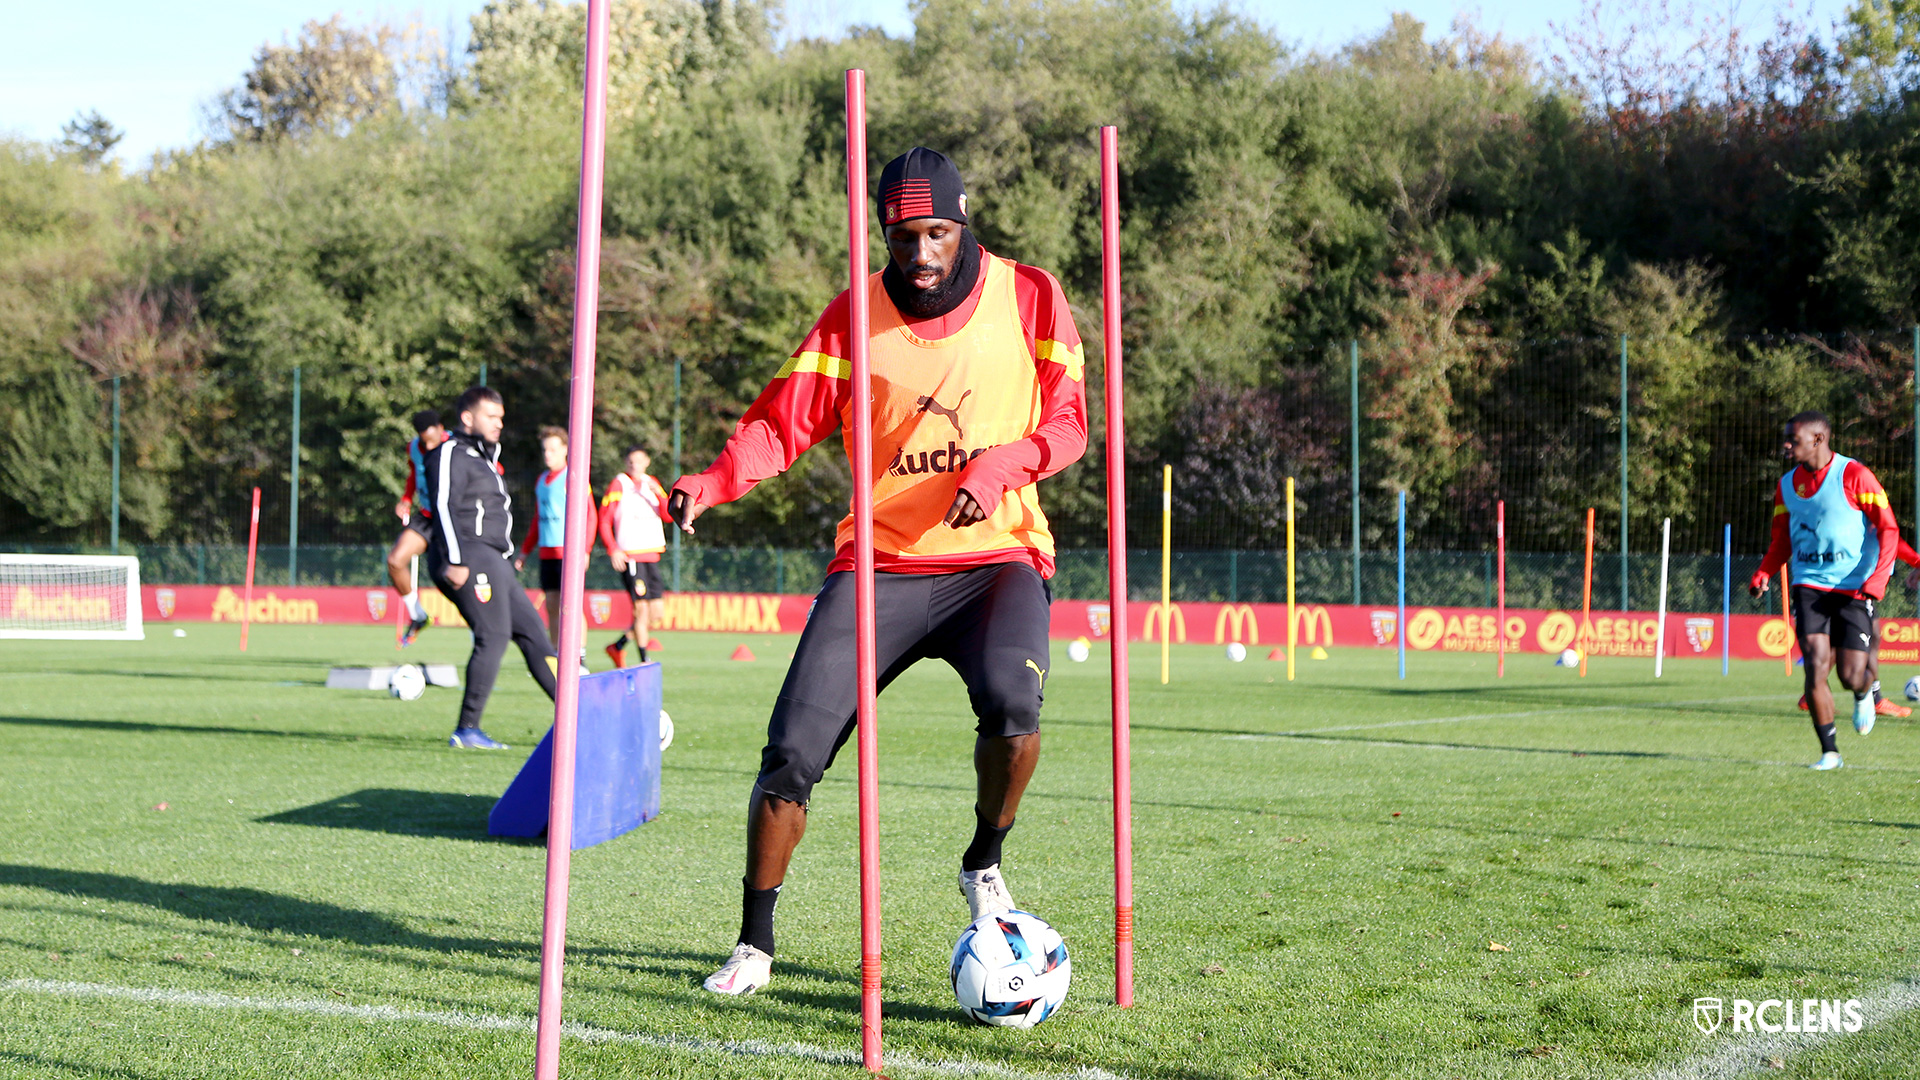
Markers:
<point>1878,824</point>
<point>447,814</point>
<point>254,909</point>
<point>46,1066</point>
<point>150,727</point>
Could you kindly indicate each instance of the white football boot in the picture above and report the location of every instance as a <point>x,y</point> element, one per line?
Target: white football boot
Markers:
<point>1828,760</point>
<point>1863,714</point>
<point>986,891</point>
<point>747,970</point>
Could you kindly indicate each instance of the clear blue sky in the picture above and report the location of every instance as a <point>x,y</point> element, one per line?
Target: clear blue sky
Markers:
<point>152,66</point>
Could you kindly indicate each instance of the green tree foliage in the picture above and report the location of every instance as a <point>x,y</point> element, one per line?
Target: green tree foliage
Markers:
<point>1487,222</point>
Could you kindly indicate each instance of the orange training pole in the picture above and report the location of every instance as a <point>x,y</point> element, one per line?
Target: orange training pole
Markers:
<point>1786,612</point>
<point>1586,599</point>
<point>253,542</point>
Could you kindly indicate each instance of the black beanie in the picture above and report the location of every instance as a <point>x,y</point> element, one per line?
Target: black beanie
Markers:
<point>921,183</point>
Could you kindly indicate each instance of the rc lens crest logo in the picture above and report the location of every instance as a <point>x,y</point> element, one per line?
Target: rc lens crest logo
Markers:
<point>601,605</point>
<point>1385,624</point>
<point>1707,1014</point>
<point>1700,634</point>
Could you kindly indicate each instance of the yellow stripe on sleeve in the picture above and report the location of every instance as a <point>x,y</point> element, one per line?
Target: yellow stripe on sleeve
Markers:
<point>1072,357</point>
<point>1778,510</point>
<point>1872,498</point>
<point>816,363</point>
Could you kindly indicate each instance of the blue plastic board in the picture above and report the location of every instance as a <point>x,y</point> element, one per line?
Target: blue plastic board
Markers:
<point>616,778</point>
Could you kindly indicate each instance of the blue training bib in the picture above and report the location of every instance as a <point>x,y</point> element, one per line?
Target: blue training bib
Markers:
<point>1832,546</point>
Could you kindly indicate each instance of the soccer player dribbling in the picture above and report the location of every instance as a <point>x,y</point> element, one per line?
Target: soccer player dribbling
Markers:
<point>415,518</point>
<point>977,395</point>
<point>1832,521</point>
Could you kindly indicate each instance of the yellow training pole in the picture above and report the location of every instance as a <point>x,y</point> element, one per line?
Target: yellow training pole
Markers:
<point>1293,628</point>
<point>1166,569</point>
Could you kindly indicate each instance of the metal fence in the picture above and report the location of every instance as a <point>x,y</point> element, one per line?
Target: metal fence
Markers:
<point>1434,578</point>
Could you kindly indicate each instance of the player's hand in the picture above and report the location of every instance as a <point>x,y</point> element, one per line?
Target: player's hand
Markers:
<point>457,576</point>
<point>519,561</point>
<point>684,510</point>
<point>400,510</point>
<point>619,562</point>
<point>1757,591</point>
<point>964,511</point>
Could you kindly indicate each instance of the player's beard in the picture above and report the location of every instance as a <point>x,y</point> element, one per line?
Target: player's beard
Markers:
<point>947,294</point>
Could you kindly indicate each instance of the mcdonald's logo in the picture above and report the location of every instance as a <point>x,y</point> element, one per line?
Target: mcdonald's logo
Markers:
<point>1170,618</point>
<point>1241,618</point>
<point>1317,622</point>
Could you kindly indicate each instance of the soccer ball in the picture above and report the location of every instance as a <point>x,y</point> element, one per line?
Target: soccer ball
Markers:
<point>1236,652</point>
<point>1010,970</point>
<point>1569,658</point>
<point>407,682</point>
<point>666,731</point>
<point>1913,688</point>
<point>1077,650</point>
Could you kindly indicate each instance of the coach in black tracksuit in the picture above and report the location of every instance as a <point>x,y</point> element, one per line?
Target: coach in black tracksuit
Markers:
<point>468,558</point>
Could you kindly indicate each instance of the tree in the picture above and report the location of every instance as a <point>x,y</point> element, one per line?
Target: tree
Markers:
<point>331,77</point>
<point>90,138</point>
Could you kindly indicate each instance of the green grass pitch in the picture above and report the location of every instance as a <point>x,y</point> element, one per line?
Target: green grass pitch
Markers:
<point>1321,869</point>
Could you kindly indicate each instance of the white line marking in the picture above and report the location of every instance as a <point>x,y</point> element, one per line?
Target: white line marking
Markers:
<point>896,1061</point>
<point>1742,1053</point>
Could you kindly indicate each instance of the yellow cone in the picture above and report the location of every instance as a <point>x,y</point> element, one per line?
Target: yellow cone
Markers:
<point>1318,653</point>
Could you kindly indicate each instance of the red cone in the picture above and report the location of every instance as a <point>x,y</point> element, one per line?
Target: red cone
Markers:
<point>1278,653</point>
<point>741,653</point>
<point>652,644</point>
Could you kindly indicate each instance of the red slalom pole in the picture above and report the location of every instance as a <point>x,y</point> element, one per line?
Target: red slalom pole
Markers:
<point>1500,560</point>
<point>1117,569</point>
<point>573,560</point>
<point>866,668</point>
<point>253,543</point>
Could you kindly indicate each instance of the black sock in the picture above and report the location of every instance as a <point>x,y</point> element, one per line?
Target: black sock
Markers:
<point>985,849</point>
<point>756,916</point>
<point>622,643</point>
<point>1827,745</point>
<point>643,654</point>
<point>1877,698</point>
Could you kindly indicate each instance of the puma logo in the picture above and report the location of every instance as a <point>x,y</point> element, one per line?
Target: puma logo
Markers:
<point>927,404</point>
<point>1040,673</point>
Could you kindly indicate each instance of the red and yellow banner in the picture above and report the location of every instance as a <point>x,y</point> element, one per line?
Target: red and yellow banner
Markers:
<point>746,613</point>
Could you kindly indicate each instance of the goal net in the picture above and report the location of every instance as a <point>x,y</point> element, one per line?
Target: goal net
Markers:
<point>70,597</point>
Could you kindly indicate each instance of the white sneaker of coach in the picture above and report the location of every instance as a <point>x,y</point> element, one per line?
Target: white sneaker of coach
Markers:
<point>986,891</point>
<point>747,970</point>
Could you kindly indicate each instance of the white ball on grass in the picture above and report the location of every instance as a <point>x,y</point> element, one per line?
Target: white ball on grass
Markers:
<point>407,683</point>
<point>177,632</point>
<point>1078,652</point>
<point>1236,652</point>
<point>1569,658</point>
<point>1913,688</point>
<point>666,731</point>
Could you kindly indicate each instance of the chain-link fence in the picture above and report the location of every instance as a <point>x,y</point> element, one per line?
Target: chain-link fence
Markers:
<point>1434,578</point>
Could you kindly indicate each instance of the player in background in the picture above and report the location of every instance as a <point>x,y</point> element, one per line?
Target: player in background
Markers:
<point>468,557</point>
<point>1832,519</point>
<point>977,396</point>
<point>415,519</point>
<point>632,517</point>
<point>546,533</point>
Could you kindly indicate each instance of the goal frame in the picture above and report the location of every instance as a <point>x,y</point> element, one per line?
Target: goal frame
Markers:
<point>134,630</point>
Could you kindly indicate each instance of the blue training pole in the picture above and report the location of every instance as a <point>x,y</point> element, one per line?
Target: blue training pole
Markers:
<point>1400,626</point>
<point>1726,603</point>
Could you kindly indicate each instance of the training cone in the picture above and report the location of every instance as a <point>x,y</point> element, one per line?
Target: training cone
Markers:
<point>1318,653</point>
<point>1278,653</point>
<point>652,644</point>
<point>741,652</point>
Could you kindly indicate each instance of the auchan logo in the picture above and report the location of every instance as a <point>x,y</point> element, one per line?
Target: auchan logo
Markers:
<point>1239,618</point>
<point>228,607</point>
<point>61,606</point>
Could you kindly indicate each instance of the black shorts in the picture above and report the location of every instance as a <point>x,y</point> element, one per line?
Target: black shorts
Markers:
<point>549,574</point>
<point>419,522</point>
<point>1847,621</point>
<point>643,580</point>
<point>988,624</point>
